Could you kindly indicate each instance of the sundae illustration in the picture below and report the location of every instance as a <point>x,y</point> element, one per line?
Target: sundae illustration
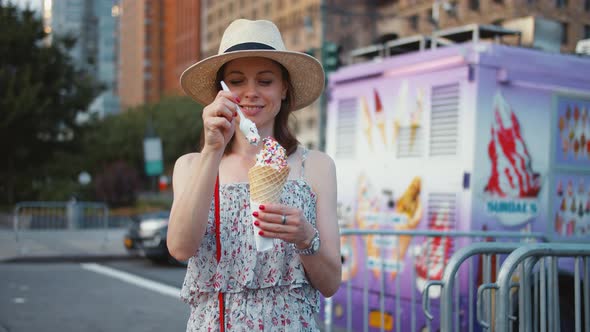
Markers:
<point>267,178</point>
<point>512,175</point>
<point>435,252</point>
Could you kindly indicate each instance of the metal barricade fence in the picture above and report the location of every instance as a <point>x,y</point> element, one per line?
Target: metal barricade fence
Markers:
<point>380,294</point>
<point>32,218</point>
<point>449,315</point>
<point>539,264</point>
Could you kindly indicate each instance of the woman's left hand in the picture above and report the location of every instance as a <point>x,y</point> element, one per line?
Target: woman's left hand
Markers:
<point>283,222</point>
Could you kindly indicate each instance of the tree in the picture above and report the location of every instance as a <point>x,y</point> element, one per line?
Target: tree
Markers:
<point>109,143</point>
<point>41,92</point>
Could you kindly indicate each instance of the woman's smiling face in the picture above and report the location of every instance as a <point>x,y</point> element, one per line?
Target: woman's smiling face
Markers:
<point>259,85</point>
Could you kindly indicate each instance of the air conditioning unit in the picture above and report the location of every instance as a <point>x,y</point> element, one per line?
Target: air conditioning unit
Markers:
<point>583,47</point>
<point>537,32</point>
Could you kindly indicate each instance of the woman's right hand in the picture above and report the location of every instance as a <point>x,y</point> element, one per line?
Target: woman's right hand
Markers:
<point>219,121</point>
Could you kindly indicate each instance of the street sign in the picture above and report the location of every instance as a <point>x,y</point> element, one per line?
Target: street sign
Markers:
<point>152,153</point>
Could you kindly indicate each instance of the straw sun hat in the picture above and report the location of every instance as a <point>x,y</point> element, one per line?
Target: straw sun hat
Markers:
<point>246,38</point>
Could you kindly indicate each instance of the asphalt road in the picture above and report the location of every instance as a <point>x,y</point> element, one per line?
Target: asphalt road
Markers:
<point>128,295</point>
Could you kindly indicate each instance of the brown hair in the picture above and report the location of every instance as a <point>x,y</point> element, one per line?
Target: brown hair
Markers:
<point>281,131</point>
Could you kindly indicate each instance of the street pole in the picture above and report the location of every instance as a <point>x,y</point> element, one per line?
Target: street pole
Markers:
<point>323,96</point>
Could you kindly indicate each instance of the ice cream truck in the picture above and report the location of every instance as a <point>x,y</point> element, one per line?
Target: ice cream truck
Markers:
<point>468,136</point>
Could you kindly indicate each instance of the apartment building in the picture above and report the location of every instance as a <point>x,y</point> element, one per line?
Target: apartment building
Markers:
<point>158,40</point>
<point>417,16</point>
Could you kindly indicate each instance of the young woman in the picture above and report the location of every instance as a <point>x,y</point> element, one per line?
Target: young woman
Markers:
<point>229,284</point>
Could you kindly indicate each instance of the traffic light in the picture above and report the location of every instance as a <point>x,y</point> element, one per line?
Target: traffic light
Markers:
<point>331,56</point>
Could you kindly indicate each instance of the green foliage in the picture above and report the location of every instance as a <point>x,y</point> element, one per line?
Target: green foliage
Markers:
<point>41,92</point>
<point>176,120</point>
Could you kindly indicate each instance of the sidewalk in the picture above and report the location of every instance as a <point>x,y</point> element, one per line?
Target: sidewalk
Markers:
<point>63,245</point>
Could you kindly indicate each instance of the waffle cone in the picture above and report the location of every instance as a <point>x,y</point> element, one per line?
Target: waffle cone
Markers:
<point>381,126</point>
<point>413,129</point>
<point>266,183</point>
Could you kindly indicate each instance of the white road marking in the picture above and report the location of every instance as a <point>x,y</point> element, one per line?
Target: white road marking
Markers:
<point>133,279</point>
<point>19,300</point>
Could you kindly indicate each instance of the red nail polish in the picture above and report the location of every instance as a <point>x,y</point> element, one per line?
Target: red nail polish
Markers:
<point>261,207</point>
<point>255,213</point>
<point>238,99</point>
<point>261,233</point>
<point>235,114</point>
<point>256,223</point>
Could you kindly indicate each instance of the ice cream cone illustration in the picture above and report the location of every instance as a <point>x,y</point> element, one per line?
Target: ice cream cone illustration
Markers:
<point>561,124</point>
<point>410,207</point>
<point>368,121</point>
<point>267,179</point>
<point>416,117</point>
<point>413,129</point>
<point>396,125</point>
<point>565,145</point>
<point>380,117</point>
<point>401,105</point>
<point>558,224</point>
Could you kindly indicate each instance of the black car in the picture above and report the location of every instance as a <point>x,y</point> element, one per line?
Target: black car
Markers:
<point>147,236</point>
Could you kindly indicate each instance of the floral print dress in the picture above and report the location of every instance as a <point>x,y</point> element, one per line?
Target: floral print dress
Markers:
<point>263,291</point>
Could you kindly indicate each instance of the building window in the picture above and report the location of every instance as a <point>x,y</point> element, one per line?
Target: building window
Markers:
<point>414,19</point>
<point>474,4</point>
<point>586,31</point>
<point>560,3</point>
<point>587,5</point>
<point>564,27</point>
